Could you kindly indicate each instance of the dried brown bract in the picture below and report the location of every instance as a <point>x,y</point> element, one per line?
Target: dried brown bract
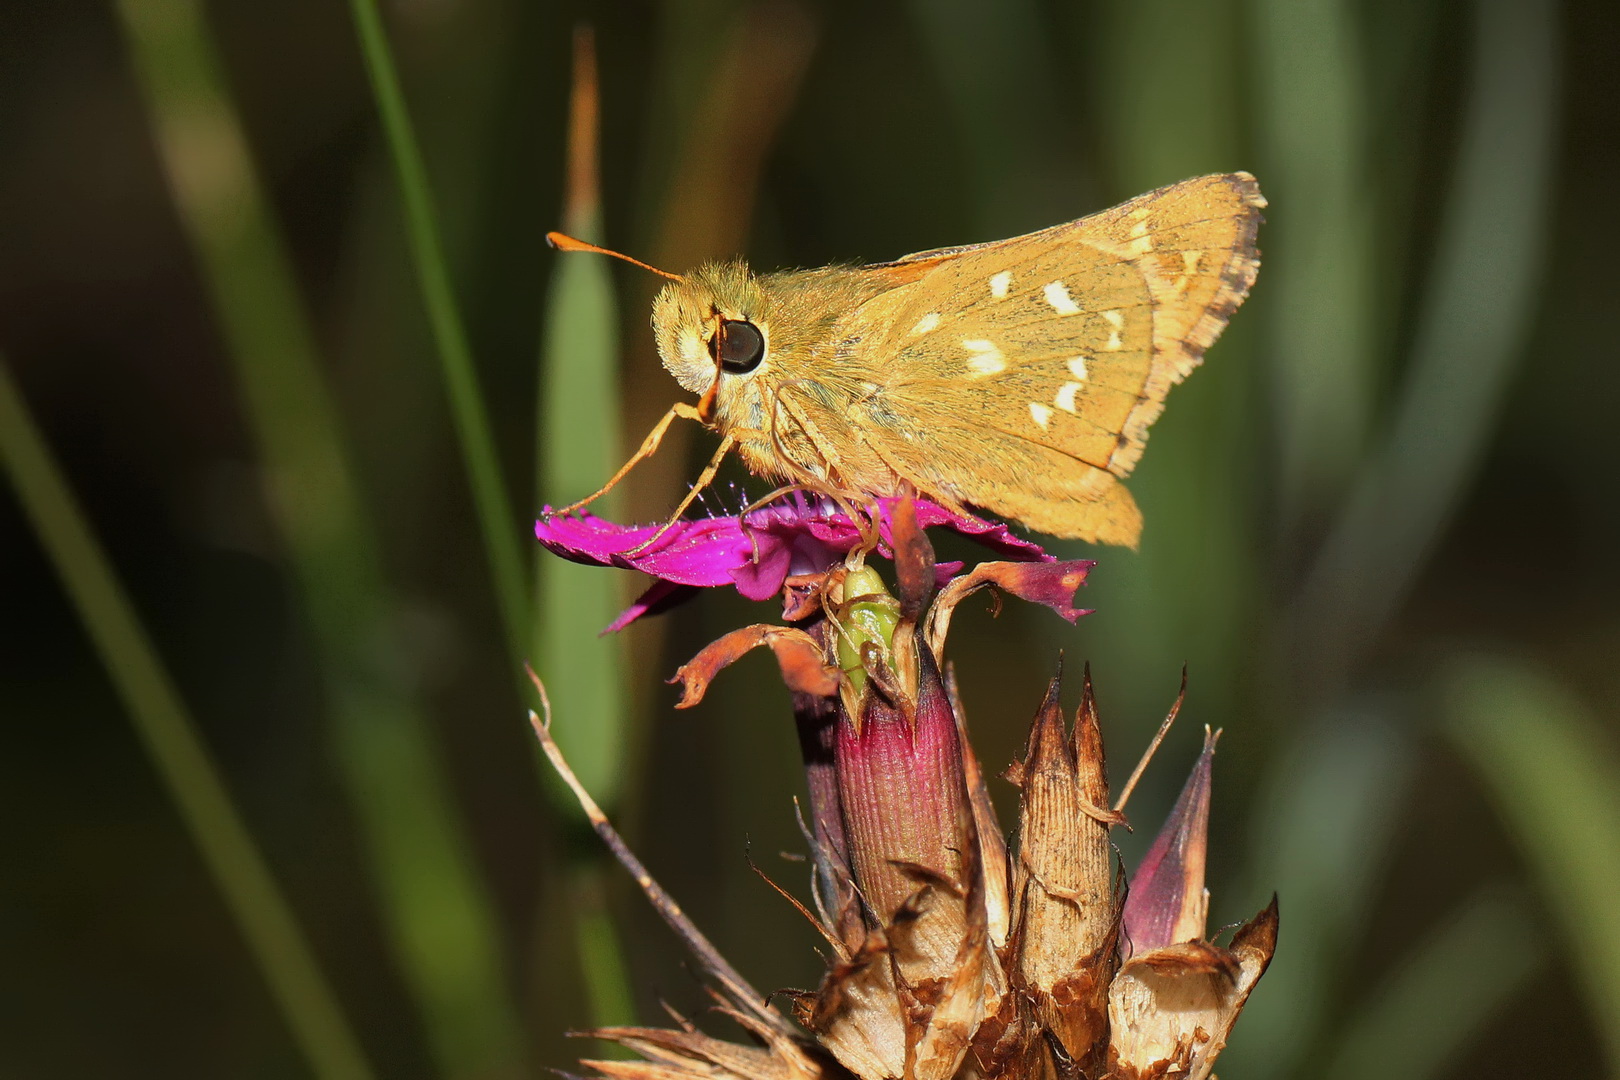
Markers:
<point>954,954</point>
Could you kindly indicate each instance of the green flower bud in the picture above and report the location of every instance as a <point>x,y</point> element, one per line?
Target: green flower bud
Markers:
<point>869,614</point>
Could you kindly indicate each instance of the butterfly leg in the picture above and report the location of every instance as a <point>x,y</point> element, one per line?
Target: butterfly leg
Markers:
<point>649,446</point>
<point>872,509</point>
<point>823,484</point>
<point>760,504</point>
<point>864,520</point>
<point>785,489</point>
<point>867,522</point>
<point>705,478</point>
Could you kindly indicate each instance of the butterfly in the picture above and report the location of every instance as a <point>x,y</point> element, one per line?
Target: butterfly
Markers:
<point>1017,377</point>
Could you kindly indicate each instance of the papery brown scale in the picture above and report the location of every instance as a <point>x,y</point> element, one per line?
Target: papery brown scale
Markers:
<point>971,985</point>
<point>1192,958</point>
<point>684,1055</point>
<point>1258,936</point>
<point>1179,1003</point>
<point>858,1014</point>
<point>801,596</point>
<point>992,844</point>
<point>1007,1042</point>
<point>1068,916</point>
<point>1091,775</point>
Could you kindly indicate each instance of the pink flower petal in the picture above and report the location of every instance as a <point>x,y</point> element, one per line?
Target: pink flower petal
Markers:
<point>755,554</point>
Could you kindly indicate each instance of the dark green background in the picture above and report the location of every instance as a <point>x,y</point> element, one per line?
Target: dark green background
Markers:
<point>1432,322</point>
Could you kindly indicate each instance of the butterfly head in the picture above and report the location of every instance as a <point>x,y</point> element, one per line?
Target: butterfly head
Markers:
<point>711,324</point>
<point>708,323</point>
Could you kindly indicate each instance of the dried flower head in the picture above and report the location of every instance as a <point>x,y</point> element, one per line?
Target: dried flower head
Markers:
<point>954,955</point>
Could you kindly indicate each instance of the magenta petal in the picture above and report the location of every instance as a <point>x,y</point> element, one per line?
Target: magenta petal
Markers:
<point>659,597</point>
<point>994,535</point>
<point>1051,583</point>
<point>755,553</point>
<point>762,579</point>
<point>701,552</point>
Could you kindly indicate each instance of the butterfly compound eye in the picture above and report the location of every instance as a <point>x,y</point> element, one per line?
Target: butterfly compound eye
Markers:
<point>742,346</point>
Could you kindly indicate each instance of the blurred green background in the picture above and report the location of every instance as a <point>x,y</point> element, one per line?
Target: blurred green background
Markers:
<point>274,292</point>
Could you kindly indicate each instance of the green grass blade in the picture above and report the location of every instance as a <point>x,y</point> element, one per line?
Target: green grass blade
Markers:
<point>502,531</point>
<point>1555,780</point>
<point>435,909</point>
<point>585,671</point>
<point>1474,329</point>
<point>601,954</point>
<point>578,445</point>
<point>1323,831</point>
<point>1424,1016</point>
<point>1162,76</point>
<point>177,752</point>
<point>1318,246</point>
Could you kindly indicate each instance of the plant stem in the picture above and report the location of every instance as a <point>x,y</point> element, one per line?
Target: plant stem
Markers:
<point>499,526</point>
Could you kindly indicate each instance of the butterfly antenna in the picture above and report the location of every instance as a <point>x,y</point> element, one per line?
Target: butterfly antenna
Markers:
<point>564,242</point>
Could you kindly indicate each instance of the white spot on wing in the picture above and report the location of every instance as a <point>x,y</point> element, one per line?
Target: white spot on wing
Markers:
<point>1000,283</point>
<point>1065,397</point>
<point>987,364</point>
<point>1041,414</point>
<point>986,358</point>
<point>926,323</point>
<point>1077,365</point>
<point>1116,320</point>
<point>1057,294</point>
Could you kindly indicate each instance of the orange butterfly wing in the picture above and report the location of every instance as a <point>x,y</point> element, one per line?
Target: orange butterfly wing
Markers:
<point>1021,376</point>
